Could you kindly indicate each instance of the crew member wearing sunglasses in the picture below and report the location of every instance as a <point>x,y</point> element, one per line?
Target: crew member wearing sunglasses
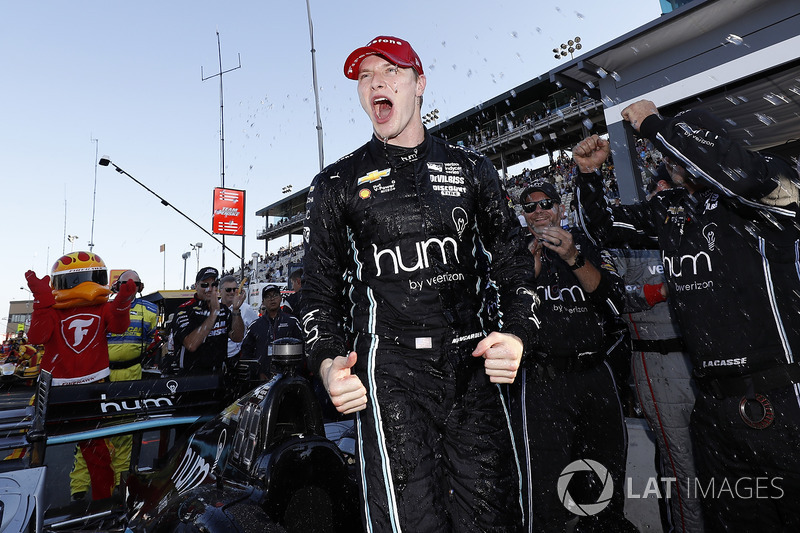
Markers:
<point>203,326</point>
<point>579,291</point>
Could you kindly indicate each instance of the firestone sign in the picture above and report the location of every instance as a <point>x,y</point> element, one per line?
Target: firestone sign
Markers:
<point>228,217</point>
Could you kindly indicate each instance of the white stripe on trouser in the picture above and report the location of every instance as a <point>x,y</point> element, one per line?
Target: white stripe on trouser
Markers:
<point>524,407</point>
<point>394,517</point>
<point>775,312</point>
<point>513,447</point>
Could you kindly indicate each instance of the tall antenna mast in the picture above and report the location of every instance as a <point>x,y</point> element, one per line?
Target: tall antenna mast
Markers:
<point>316,87</point>
<point>64,243</point>
<point>221,123</point>
<point>94,192</point>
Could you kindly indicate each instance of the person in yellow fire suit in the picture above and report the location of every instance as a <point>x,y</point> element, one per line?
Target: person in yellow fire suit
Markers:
<point>125,353</point>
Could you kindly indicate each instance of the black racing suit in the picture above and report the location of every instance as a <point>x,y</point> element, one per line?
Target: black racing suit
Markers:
<point>211,354</point>
<point>393,245</point>
<point>732,262</point>
<point>293,304</point>
<point>565,405</point>
<point>257,344</point>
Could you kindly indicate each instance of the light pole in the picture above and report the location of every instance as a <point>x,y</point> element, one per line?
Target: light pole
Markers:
<point>72,239</point>
<point>186,256</point>
<point>28,308</point>
<point>433,116</point>
<point>255,268</point>
<point>316,87</point>
<point>94,192</point>
<point>29,292</point>
<point>105,161</point>
<point>196,247</point>
<point>570,46</point>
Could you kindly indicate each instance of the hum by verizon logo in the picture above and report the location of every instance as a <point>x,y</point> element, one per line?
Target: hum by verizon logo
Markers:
<point>132,405</point>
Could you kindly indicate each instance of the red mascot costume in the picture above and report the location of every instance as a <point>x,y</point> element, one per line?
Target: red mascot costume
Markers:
<point>71,319</point>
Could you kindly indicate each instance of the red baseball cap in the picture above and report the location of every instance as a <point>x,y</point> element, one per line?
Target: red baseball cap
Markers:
<point>395,50</point>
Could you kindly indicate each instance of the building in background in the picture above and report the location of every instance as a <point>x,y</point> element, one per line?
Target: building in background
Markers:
<point>19,318</point>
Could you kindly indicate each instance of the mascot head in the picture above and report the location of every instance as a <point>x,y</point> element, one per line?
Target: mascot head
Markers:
<point>79,279</point>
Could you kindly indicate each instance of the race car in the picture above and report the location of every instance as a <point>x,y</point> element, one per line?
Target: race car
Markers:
<point>21,364</point>
<point>264,464</point>
<point>267,462</point>
<point>37,441</point>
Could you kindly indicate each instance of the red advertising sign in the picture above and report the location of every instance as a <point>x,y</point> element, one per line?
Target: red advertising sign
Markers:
<point>228,218</point>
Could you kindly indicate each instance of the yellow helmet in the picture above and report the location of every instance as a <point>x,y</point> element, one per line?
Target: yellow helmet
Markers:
<point>79,279</point>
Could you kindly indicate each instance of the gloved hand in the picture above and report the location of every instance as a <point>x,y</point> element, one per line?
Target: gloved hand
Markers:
<point>126,293</point>
<point>42,292</point>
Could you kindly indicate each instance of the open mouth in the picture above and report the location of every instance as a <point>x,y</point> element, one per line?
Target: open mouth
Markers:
<point>539,224</point>
<point>383,108</point>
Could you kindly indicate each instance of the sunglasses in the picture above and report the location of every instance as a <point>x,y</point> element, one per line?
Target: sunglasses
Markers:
<point>230,289</point>
<point>206,285</point>
<point>545,204</point>
<point>116,285</point>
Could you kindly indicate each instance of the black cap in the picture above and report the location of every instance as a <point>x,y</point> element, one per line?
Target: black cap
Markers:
<point>270,288</point>
<point>207,272</point>
<point>540,186</point>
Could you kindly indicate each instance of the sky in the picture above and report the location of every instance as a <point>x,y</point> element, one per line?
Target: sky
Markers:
<point>87,79</point>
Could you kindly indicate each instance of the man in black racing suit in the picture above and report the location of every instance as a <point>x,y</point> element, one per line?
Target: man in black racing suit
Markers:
<point>564,404</point>
<point>393,238</point>
<point>730,248</point>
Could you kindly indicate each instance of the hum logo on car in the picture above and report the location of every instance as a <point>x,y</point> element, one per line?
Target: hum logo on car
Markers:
<point>192,471</point>
<point>134,405</point>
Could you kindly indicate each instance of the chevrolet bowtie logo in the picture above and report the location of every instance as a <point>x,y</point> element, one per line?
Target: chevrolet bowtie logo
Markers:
<point>375,175</point>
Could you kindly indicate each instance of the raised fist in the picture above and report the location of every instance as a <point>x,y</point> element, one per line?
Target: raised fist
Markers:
<point>42,292</point>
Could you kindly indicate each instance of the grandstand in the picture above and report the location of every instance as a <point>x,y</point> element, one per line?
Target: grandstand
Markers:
<point>739,59</point>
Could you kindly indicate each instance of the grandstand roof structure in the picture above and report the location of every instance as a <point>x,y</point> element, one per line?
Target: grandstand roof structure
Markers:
<point>739,59</point>
<point>287,211</point>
